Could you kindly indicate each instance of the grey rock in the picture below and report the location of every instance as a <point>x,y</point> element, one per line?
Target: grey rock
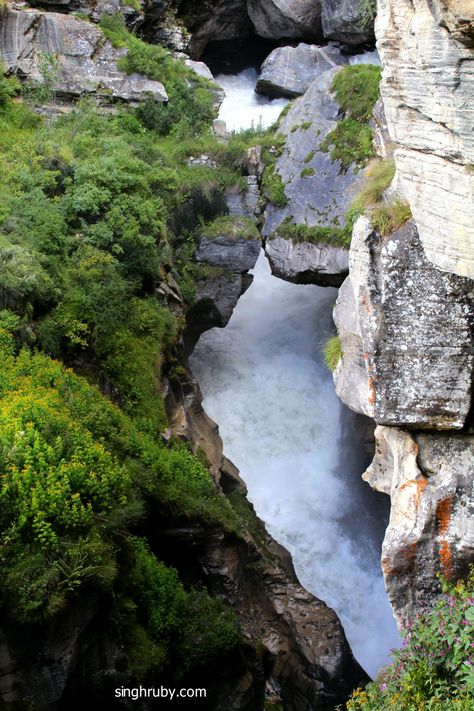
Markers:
<point>237,255</point>
<point>415,325</point>
<point>288,71</point>
<point>343,20</point>
<point>200,68</point>
<point>277,19</point>
<point>307,263</point>
<point>383,145</point>
<point>427,49</point>
<point>323,197</point>
<point>430,479</point>
<point>350,375</point>
<point>172,36</point>
<point>214,22</point>
<point>87,62</point>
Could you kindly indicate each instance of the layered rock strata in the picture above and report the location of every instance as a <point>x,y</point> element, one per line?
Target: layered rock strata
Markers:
<point>427,50</point>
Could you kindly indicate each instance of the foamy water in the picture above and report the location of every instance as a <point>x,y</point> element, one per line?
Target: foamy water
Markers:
<point>242,107</point>
<point>265,384</point>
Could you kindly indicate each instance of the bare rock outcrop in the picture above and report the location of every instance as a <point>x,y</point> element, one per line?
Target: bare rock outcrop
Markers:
<point>427,50</point>
<point>346,21</point>
<point>288,71</point>
<point>317,189</point>
<point>87,62</point>
<point>413,331</point>
<point>307,263</point>
<point>278,19</point>
<point>430,479</point>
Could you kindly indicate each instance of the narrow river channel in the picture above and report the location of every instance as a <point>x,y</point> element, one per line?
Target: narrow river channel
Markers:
<point>297,447</point>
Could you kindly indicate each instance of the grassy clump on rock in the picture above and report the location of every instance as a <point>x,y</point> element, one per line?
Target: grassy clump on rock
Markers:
<point>357,89</point>
<point>332,352</point>
<point>232,227</point>
<point>334,236</point>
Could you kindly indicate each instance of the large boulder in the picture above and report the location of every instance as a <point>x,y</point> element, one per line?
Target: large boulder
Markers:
<point>87,62</point>
<point>347,21</point>
<point>430,480</point>
<point>288,71</point>
<point>318,190</point>
<point>307,263</point>
<point>413,331</point>
<point>427,50</point>
<point>293,19</point>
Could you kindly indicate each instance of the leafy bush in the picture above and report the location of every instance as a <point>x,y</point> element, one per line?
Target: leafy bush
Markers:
<point>435,667</point>
<point>8,86</point>
<point>332,352</point>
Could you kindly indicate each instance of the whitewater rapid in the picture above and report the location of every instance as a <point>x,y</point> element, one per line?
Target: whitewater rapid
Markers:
<point>264,382</point>
<point>242,107</point>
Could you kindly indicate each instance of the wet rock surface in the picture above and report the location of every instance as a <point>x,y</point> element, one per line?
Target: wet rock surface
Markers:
<point>288,71</point>
<point>87,62</point>
<point>415,326</point>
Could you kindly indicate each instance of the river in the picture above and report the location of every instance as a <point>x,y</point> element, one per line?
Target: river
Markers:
<point>265,383</point>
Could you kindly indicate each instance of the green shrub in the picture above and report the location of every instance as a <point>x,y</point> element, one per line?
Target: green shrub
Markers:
<point>8,86</point>
<point>332,352</point>
<point>357,89</point>
<point>307,173</point>
<point>273,187</point>
<point>435,667</point>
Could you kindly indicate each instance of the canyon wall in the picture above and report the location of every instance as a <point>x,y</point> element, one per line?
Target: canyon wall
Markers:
<point>405,314</point>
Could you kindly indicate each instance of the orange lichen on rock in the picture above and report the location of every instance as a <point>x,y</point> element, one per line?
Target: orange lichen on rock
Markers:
<point>443,514</point>
<point>444,510</point>
<point>371,398</point>
<point>446,559</point>
<point>417,485</point>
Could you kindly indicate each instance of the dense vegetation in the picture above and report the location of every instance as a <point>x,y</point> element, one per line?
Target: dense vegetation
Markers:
<point>356,88</point>
<point>89,228</point>
<point>435,667</point>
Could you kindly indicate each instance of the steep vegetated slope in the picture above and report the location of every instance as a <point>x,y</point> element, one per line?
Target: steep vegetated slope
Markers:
<point>129,551</point>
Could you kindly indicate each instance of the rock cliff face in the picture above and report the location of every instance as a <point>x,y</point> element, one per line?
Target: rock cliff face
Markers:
<point>405,315</point>
<point>295,19</point>
<point>417,377</point>
<point>345,21</point>
<point>428,91</point>
<point>87,62</point>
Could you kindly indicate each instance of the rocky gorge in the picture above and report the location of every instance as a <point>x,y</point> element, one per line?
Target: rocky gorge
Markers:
<point>404,315</point>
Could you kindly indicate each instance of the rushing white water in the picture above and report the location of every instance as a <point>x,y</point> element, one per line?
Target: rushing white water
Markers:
<point>242,107</point>
<point>265,384</point>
